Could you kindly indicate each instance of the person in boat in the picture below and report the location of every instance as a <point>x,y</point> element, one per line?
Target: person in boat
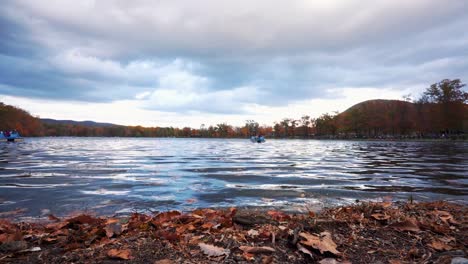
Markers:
<point>7,134</point>
<point>260,138</point>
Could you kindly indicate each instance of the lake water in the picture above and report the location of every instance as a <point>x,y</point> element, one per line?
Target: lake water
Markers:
<point>109,175</point>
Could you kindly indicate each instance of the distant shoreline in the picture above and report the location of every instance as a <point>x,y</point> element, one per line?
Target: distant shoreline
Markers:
<point>305,139</point>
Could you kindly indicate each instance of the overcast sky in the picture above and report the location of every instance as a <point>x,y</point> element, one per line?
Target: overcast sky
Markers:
<point>176,63</point>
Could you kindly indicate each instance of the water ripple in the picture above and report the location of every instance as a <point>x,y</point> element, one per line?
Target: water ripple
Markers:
<point>124,174</point>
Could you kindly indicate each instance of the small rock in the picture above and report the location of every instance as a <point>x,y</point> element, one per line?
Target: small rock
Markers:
<point>13,246</point>
<point>459,260</point>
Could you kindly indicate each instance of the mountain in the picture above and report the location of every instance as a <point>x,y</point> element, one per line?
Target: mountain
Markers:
<point>50,121</point>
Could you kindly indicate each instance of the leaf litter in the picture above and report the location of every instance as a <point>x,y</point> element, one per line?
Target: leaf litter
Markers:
<point>366,232</point>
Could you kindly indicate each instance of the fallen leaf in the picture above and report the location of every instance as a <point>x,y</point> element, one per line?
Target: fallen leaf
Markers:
<point>279,216</point>
<point>16,236</point>
<point>195,240</point>
<point>394,261</point>
<point>407,225</point>
<point>207,225</point>
<point>439,245</point>
<point>323,242</point>
<point>304,250</point>
<point>257,250</point>
<point>53,218</point>
<point>119,254</point>
<point>267,259</point>
<point>168,235</point>
<point>252,233</point>
<point>112,221</point>
<point>164,261</point>
<point>446,217</point>
<point>213,251</point>
<point>83,219</point>
<point>165,217</point>
<point>380,217</point>
<point>50,239</point>
<point>232,211</point>
<point>248,256</point>
<point>57,226</point>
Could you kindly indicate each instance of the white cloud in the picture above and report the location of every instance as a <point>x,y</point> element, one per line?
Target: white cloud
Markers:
<point>129,112</point>
<point>214,58</point>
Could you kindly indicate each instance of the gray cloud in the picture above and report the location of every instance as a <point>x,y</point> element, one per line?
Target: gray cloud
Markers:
<point>200,56</point>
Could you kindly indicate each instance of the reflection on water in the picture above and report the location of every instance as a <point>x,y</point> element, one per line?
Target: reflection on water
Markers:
<point>122,174</point>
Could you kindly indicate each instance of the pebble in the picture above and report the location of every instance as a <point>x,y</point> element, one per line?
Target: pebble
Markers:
<point>459,260</point>
<point>13,246</point>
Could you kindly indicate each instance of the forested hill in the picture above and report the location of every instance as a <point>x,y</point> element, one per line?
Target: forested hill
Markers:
<point>379,117</point>
<point>72,122</point>
<point>395,117</point>
<point>15,118</point>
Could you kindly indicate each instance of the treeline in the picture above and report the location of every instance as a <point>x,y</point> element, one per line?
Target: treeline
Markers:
<point>441,111</point>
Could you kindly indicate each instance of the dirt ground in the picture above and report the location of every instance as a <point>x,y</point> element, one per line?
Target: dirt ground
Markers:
<point>382,232</point>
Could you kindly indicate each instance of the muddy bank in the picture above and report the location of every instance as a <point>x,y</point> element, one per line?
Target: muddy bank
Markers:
<point>382,232</point>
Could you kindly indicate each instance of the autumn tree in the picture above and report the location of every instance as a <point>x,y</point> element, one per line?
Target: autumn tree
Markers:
<point>285,124</point>
<point>305,122</point>
<point>447,102</point>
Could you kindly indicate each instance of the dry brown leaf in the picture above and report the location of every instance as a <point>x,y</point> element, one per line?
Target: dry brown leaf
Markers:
<point>112,221</point>
<point>267,259</point>
<point>213,251</point>
<point>53,218</point>
<point>165,217</point>
<point>278,216</point>
<point>439,245</point>
<point>195,240</point>
<point>323,242</point>
<point>164,261</point>
<point>10,237</point>
<point>119,254</point>
<point>83,219</point>
<point>380,217</point>
<point>386,204</point>
<point>407,225</point>
<point>446,217</point>
<point>248,256</point>
<point>257,250</point>
<point>252,233</point>
<point>394,261</point>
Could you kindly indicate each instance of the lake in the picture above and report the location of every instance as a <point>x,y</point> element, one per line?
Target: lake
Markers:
<point>121,175</point>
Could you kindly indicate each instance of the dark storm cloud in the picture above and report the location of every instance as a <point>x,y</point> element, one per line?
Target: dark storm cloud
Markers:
<point>219,56</point>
